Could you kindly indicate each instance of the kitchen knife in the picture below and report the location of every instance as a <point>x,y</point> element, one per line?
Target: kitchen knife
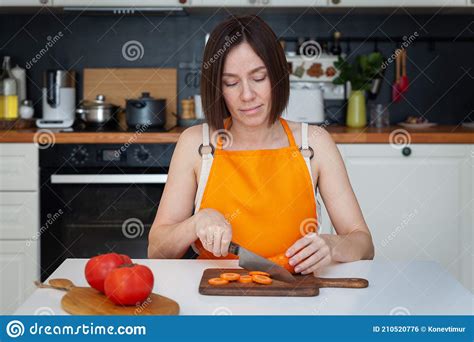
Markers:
<point>254,262</point>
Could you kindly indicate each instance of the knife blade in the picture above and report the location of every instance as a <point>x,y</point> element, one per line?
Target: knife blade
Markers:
<point>255,262</point>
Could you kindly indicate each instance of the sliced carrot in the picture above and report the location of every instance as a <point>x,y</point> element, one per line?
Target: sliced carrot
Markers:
<point>259,273</point>
<point>261,279</point>
<point>245,279</point>
<point>230,276</point>
<point>217,281</point>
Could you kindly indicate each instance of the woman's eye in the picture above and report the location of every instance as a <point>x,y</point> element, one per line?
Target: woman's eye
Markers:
<point>230,84</point>
<point>260,79</point>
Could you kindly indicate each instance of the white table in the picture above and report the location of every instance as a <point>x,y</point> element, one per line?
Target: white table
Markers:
<point>416,288</point>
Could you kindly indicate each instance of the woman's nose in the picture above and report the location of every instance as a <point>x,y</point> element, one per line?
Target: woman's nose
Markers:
<point>247,94</point>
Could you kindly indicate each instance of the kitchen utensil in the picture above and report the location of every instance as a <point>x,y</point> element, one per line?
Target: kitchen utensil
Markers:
<point>377,81</point>
<point>395,87</point>
<point>146,111</point>
<point>379,115</point>
<point>89,301</point>
<point>254,262</point>
<point>59,99</point>
<point>97,112</point>
<point>304,286</point>
<point>124,83</point>
<point>403,85</point>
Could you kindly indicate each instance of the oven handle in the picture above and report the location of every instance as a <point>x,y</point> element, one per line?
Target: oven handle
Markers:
<point>109,179</point>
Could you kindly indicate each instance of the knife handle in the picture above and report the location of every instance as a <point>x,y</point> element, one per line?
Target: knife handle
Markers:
<point>234,248</point>
<point>357,283</point>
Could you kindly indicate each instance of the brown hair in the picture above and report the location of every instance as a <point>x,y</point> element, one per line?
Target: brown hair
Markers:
<point>226,35</point>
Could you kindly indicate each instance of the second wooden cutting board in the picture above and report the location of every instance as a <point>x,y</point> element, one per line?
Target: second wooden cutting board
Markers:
<point>305,286</point>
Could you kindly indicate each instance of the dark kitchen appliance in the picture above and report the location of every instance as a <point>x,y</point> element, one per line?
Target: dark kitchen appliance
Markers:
<point>146,111</point>
<point>99,198</point>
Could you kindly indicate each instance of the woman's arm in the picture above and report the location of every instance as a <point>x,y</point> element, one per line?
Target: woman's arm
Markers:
<point>353,240</point>
<point>173,229</point>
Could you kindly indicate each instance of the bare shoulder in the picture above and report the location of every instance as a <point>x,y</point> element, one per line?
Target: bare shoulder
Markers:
<point>188,145</point>
<point>317,135</point>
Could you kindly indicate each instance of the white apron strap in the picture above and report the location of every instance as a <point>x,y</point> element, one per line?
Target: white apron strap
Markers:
<point>307,153</point>
<point>206,151</point>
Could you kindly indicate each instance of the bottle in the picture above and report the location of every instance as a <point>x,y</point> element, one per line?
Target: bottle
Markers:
<point>8,92</point>
<point>336,47</point>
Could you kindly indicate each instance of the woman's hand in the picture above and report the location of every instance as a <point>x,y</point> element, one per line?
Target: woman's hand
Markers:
<point>214,231</point>
<point>309,253</point>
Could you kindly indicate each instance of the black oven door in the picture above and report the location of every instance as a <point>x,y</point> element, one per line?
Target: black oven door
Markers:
<point>90,211</point>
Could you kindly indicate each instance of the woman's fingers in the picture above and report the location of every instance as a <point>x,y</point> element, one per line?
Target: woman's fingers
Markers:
<point>216,246</point>
<point>300,244</point>
<point>323,262</point>
<point>226,239</point>
<point>310,261</point>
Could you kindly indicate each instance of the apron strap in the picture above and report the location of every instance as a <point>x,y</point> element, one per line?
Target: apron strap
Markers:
<point>308,153</point>
<point>206,150</point>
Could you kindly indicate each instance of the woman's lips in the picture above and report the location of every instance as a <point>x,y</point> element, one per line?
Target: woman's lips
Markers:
<point>251,110</point>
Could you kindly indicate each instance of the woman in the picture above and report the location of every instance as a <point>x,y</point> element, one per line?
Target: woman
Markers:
<point>244,177</point>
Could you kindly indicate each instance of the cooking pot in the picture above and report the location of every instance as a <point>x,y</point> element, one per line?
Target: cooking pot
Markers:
<point>146,111</point>
<point>97,112</point>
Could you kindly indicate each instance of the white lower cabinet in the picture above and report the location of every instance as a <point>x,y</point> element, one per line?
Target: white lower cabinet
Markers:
<point>19,267</point>
<point>417,204</point>
<point>19,224</point>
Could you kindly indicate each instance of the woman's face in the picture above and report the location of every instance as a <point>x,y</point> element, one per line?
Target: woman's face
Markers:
<point>246,86</point>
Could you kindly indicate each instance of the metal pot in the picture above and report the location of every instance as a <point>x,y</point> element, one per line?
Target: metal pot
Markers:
<point>146,111</point>
<point>97,112</point>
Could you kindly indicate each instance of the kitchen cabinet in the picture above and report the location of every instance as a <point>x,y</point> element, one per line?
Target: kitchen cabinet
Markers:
<point>417,204</point>
<point>26,3</point>
<point>259,3</point>
<point>19,264</point>
<point>19,223</point>
<point>122,3</point>
<point>402,3</point>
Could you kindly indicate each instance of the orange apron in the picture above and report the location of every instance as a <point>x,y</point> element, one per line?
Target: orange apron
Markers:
<point>266,195</point>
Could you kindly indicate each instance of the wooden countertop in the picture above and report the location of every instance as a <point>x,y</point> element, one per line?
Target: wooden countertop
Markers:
<point>340,134</point>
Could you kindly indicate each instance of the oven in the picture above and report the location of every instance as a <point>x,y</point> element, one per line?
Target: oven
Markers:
<point>99,198</point>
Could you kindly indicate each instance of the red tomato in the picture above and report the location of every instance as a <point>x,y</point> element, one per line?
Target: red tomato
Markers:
<point>126,259</point>
<point>99,266</point>
<point>129,284</point>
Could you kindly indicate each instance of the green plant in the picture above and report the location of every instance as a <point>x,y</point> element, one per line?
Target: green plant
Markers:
<point>361,72</point>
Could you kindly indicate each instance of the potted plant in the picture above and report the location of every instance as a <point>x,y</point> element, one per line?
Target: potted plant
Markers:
<point>359,74</point>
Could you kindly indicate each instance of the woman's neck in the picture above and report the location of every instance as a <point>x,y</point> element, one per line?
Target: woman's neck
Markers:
<point>256,137</point>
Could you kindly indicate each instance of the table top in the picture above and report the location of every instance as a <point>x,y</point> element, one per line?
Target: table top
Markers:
<point>416,288</point>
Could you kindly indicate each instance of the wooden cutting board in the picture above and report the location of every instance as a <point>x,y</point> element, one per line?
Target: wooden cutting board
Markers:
<point>120,84</point>
<point>89,301</point>
<point>305,286</point>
